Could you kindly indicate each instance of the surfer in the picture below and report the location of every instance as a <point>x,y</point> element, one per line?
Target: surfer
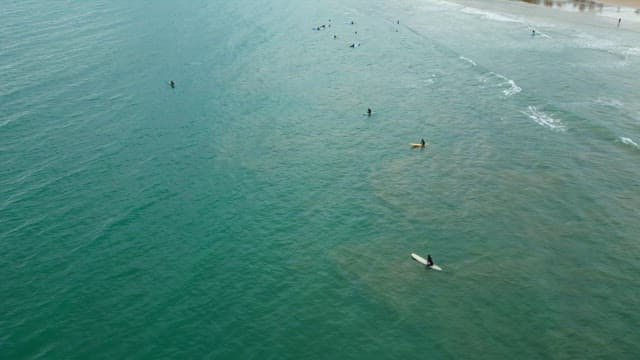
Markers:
<point>173,84</point>
<point>422,142</point>
<point>369,112</point>
<point>533,33</point>
<point>619,20</point>
<point>429,261</point>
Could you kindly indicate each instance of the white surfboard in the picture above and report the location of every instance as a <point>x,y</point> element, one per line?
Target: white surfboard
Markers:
<point>423,261</point>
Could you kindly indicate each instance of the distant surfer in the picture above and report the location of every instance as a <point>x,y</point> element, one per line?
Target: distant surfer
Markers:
<point>421,145</point>
<point>429,261</point>
<point>619,20</point>
<point>369,112</point>
<point>533,33</point>
<point>173,84</point>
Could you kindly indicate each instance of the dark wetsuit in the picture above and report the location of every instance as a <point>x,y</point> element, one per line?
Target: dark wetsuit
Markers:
<point>429,261</point>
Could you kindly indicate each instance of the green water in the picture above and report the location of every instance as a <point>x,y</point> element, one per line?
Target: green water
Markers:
<point>256,212</point>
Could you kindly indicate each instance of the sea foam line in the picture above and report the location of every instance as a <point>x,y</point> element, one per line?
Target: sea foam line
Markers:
<point>544,119</point>
<point>468,60</point>
<point>627,141</point>
<point>489,15</point>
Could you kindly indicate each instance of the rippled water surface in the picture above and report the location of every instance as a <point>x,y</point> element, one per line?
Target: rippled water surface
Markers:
<point>256,211</point>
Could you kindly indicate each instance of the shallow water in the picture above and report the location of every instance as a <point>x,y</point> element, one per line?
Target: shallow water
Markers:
<point>255,211</point>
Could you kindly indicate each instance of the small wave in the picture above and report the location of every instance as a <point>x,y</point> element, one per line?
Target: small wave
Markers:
<point>468,60</point>
<point>632,51</point>
<point>584,41</point>
<point>609,102</point>
<point>13,117</point>
<point>513,87</point>
<point>544,119</point>
<point>489,15</point>
<point>627,141</point>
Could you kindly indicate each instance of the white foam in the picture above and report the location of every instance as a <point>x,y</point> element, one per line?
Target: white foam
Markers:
<point>632,51</point>
<point>544,36</point>
<point>621,51</point>
<point>489,15</point>
<point>468,60</point>
<point>544,119</point>
<point>513,87</point>
<point>627,141</point>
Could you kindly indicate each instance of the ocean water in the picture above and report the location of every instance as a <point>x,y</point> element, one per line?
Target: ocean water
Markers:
<point>255,212</point>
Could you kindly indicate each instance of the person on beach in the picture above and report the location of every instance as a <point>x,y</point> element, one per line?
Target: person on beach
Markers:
<point>429,261</point>
<point>369,112</point>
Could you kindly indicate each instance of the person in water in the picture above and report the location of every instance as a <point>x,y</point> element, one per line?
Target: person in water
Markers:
<point>533,33</point>
<point>422,142</point>
<point>173,84</point>
<point>369,112</point>
<point>429,261</point>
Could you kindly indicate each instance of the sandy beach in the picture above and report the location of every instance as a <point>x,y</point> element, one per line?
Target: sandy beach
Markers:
<point>628,3</point>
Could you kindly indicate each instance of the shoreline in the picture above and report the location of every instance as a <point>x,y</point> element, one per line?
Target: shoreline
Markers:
<point>589,4</point>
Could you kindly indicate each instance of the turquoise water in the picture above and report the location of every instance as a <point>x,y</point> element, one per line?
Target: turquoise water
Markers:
<point>254,211</point>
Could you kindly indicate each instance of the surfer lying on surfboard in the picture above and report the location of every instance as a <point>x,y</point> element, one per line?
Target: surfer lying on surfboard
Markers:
<point>420,145</point>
